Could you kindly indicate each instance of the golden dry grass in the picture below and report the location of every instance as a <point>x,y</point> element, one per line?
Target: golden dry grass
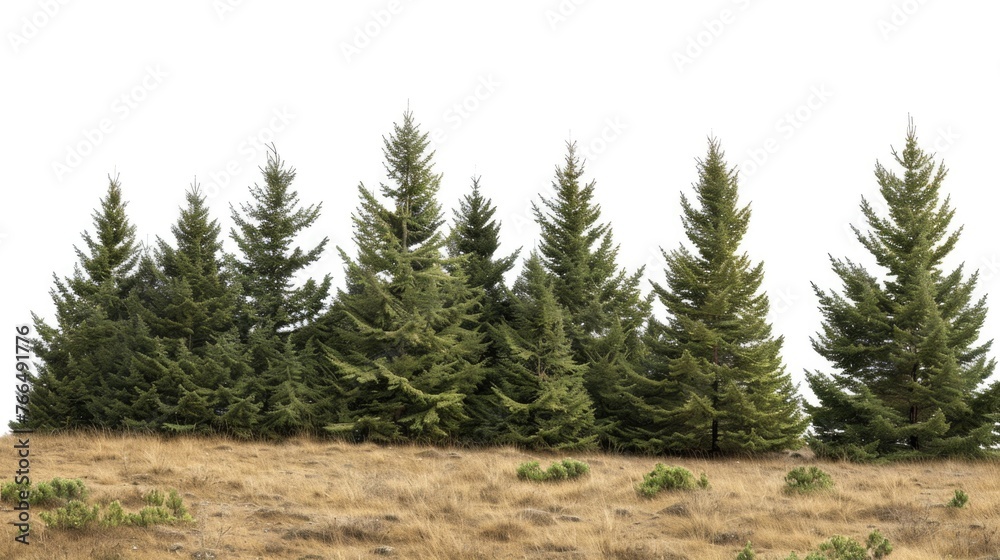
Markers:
<point>313,499</point>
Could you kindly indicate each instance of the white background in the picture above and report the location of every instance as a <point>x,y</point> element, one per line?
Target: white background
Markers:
<point>804,96</point>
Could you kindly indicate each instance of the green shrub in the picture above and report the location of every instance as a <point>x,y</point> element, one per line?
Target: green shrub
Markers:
<point>559,470</point>
<point>703,482</point>
<point>747,553</point>
<point>57,491</point>
<point>74,515</point>
<point>531,471</point>
<point>804,480</point>
<point>151,515</point>
<point>176,506</point>
<point>114,515</point>
<point>959,499</point>
<point>845,548</point>
<point>669,478</point>
<point>154,498</point>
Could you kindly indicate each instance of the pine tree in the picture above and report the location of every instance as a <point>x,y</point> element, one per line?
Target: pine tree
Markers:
<point>188,299</point>
<point>87,376</point>
<point>476,239</point>
<point>282,385</point>
<point>605,309</point>
<point>715,354</point>
<point>541,387</point>
<point>186,289</point>
<point>399,329</point>
<point>911,373</point>
<point>265,233</point>
<point>473,243</point>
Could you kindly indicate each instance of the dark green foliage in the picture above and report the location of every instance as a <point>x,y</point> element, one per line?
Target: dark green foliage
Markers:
<point>400,334</point>
<point>722,381</point>
<point>604,309</point>
<point>910,372</point>
<point>285,376</point>
<point>558,470</point>
<point>803,480</point>
<point>473,244</point>
<point>664,478</point>
<point>265,233</point>
<point>88,375</point>
<point>541,388</point>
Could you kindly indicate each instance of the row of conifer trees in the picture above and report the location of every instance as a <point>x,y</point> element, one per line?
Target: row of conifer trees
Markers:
<point>426,343</point>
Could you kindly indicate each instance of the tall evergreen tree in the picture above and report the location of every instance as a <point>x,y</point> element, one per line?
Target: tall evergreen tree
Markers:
<point>719,362</point>
<point>282,385</point>
<point>475,240</point>
<point>605,309</point>
<point>399,331</point>
<point>87,376</point>
<point>265,233</point>
<point>541,387</point>
<point>188,298</point>
<point>189,294</point>
<point>911,371</point>
<point>473,244</point>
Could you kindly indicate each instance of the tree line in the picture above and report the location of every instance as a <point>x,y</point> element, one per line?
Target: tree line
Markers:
<point>427,343</point>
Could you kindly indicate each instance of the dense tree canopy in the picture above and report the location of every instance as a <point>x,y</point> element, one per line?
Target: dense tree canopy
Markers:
<point>425,340</point>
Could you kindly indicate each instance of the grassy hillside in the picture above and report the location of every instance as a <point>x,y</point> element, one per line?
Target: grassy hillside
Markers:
<point>307,499</point>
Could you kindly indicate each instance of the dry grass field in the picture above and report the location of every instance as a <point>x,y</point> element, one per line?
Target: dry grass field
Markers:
<point>313,499</point>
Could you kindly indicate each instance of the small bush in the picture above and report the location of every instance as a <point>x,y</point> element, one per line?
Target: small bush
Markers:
<point>58,491</point>
<point>531,471</point>
<point>114,515</point>
<point>176,506</point>
<point>669,478</point>
<point>559,470</point>
<point>804,480</point>
<point>845,548</point>
<point>747,553</point>
<point>74,515</point>
<point>151,515</point>
<point>959,499</point>
<point>154,498</point>
<point>703,482</point>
